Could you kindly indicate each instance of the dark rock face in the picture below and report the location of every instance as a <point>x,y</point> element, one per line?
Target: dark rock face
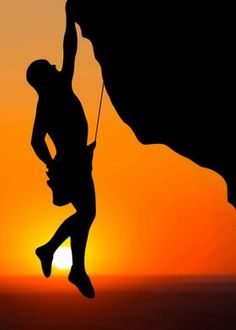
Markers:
<point>168,69</point>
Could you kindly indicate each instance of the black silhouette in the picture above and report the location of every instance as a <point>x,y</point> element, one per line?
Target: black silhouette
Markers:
<point>61,116</point>
<point>168,69</point>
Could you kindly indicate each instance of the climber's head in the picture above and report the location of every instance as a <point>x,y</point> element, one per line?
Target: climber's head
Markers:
<point>40,73</point>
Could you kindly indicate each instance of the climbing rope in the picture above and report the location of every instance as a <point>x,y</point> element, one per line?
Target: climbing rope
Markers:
<point>99,112</point>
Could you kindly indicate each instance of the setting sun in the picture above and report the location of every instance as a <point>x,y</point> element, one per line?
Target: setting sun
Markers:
<point>62,258</point>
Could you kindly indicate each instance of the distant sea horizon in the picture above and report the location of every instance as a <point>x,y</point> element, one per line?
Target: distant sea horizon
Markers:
<point>122,302</point>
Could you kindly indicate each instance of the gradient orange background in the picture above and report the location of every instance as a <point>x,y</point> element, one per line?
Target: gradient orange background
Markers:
<point>157,212</point>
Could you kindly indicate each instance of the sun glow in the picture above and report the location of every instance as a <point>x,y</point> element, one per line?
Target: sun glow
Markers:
<point>62,258</point>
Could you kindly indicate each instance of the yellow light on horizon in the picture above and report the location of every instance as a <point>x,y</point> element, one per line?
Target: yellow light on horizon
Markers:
<point>62,258</point>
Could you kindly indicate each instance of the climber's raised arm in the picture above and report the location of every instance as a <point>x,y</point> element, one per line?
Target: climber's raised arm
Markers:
<point>69,45</point>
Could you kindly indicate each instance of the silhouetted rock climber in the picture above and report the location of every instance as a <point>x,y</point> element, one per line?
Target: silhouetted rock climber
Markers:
<point>61,116</point>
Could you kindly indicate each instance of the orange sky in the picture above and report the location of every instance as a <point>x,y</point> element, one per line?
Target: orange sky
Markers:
<point>157,212</point>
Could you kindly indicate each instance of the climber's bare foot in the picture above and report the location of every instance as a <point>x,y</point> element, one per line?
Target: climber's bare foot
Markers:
<point>45,257</point>
<point>82,281</point>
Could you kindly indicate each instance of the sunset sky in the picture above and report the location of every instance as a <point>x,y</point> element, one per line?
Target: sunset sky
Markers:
<point>157,212</point>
